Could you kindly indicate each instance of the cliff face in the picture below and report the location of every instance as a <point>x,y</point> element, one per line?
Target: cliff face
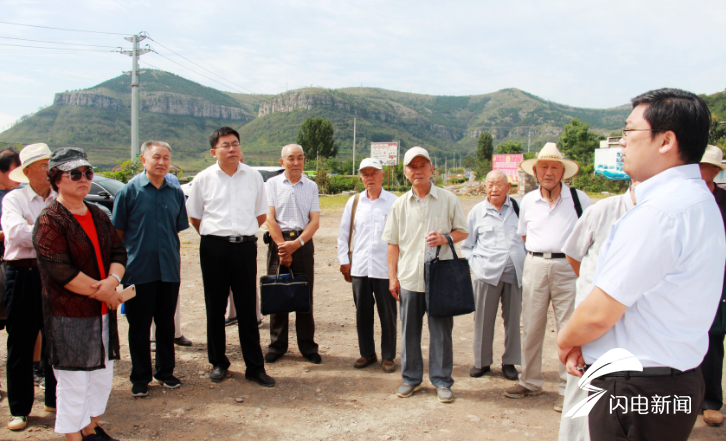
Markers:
<point>87,99</point>
<point>155,102</point>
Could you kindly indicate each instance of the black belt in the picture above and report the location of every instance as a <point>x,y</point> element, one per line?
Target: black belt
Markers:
<point>648,372</point>
<point>235,239</point>
<point>23,263</point>
<point>295,233</point>
<point>548,255</point>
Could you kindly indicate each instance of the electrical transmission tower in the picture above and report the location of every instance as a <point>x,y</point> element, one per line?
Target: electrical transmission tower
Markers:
<point>134,53</point>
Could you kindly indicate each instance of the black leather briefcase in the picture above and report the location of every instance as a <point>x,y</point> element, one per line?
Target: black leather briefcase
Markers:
<point>283,293</point>
<point>449,291</point>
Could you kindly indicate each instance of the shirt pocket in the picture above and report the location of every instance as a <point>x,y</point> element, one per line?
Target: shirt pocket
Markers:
<point>487,236</point>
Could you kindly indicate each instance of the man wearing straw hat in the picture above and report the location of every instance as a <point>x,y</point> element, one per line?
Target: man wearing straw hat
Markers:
<point>712,366</point>
<point>547,217</point>
<point>22,282</point>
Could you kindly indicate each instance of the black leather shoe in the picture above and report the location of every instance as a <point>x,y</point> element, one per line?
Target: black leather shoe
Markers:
<point>271,357</point>
<point>218,374</point>
<point>478,372</point>
<point>314,358</point>
<point>510,372</point>
<point>262,379</point>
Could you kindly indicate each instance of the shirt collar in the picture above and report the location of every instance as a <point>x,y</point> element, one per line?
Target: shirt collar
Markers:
<point>32,194</point>
<point>300,181</point>
<point>433,192</point>
<point>488,205</point>
<point>144,180</point>
<point>564,192</point>
<point>383,195</point>
<point>646,189</point>
<point>219,169</point>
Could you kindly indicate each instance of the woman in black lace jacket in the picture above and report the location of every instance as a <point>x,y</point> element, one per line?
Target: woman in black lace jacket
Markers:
<point>81,261</point>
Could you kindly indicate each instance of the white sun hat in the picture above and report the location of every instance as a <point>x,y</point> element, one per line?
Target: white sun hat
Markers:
<point>550,153</point>
<point>30,154</point>
<point>713,155</point>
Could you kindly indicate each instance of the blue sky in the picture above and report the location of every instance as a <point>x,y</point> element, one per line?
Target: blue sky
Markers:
<point>588,54</point>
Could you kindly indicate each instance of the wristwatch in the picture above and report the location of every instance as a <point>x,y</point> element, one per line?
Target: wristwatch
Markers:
<point>302,242</point>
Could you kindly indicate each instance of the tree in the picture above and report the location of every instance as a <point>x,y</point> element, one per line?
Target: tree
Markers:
<point>469,162</point>
<point>316,138</point>
<point>484,147</point>
<point>510,148</point>
<point>578,143</point>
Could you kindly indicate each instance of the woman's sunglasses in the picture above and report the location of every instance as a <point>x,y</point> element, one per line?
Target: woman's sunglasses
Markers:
<point>75,175</point>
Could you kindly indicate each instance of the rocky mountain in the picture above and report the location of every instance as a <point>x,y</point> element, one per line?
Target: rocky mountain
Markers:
<point>183,113</point>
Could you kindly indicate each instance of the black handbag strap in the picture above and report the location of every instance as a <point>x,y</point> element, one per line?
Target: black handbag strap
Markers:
<point>576,201</point>
<point>289,269</point>
<point>451,245</point>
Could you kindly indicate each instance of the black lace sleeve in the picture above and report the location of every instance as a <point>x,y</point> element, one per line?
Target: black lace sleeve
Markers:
<point>53,249</point>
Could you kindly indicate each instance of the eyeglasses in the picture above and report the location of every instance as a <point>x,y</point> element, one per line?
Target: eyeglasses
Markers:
<point>234,145</point>
<point>625,131</point>
<point>75,175</point>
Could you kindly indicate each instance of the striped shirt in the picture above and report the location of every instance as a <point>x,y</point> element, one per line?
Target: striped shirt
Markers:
<point>293,203</point>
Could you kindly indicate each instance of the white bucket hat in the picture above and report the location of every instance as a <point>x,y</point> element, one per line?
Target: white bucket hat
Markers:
<point>713,155</point>
<point>550,153</point>
<point>30,154</point>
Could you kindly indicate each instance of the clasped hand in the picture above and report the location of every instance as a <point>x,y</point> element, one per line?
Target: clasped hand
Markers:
<point>106,292</point>
<point>434,239</point>
<point>285,250</point>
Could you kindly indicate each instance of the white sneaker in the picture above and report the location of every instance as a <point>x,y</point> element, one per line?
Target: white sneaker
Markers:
<point>17,422</point>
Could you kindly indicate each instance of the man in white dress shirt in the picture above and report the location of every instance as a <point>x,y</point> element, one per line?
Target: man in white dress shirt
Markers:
<point>546,219</point>
<point>227,205</point>
<point>582,249</point>
<point>496,256</point>
<point>22,282</point>
<point>368,270</point>
<point>658,278</point>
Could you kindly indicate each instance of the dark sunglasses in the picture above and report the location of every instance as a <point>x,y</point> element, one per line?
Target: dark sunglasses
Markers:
<point>75,175</point>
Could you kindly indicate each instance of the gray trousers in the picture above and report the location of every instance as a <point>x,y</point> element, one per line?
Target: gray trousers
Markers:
<point>487,299</point>
<point>367,292</point>
<point>574,429</point>
<point>441,350</point>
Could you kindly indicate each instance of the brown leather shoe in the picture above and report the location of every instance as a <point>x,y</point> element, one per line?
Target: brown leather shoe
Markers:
<point>388,366</point>
<point>712,417</point>
<point>365,361</point>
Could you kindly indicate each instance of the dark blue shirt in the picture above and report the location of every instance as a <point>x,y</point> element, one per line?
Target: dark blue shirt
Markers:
<point>151,219</point>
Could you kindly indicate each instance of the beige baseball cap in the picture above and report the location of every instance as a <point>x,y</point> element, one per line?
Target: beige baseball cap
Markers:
<point>414,152</point>
<point>371,162</point>
<point>713,155</point>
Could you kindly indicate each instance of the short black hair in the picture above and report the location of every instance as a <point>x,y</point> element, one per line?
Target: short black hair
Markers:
<point>681,112</point>
<point>224,131</point>
<point>8,157</point>
<point>54,175</point>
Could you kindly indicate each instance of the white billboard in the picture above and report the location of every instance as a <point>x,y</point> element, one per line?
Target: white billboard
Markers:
<point>608,163</point>
<point>387,152</point>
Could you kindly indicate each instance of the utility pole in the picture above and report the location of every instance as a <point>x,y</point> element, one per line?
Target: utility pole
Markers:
<point>134,53</point>
<point>529,138</point>
<point>353,146</point>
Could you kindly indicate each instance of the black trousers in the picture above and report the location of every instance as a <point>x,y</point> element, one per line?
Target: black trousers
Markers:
<point>712,369</point>
<point>228,265</point>
<point>609,425</point>
<point>23,291</point>
<point>157,301</point>
<point>302,262</point>
<point>367,292</point>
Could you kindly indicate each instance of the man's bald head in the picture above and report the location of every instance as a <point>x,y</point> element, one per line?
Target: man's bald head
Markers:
<point>291,149</point>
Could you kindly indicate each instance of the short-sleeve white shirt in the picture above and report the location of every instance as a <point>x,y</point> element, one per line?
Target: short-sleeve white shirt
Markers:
<point>370,252</point>
<point>293,202</point>
<point>662,260</point>
<point>547,228</point>
<point>589,234</point>
<point>228,205</point>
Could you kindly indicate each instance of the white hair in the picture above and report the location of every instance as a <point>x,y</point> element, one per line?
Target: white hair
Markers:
<point>148,144</point>
<point>291,147</point>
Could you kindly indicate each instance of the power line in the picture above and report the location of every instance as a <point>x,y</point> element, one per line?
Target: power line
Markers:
<point>58,42</point>
<point>202,75</point>
<point>57,48</point>
<point>59,29</point>
<point>202,67</point>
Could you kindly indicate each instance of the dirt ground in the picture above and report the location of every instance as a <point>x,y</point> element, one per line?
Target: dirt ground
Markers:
<point>330,401</point>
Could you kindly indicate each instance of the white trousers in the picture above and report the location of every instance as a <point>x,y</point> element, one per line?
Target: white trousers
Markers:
<point>81,395</point>
<point>573,429</point>
<point>544,281</point>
